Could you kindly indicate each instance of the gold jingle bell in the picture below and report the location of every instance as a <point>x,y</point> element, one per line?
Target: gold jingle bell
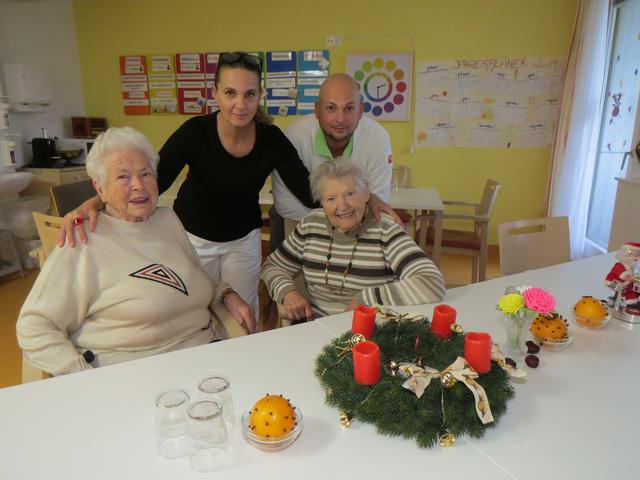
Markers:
<point>393,367</point>
<point>357,338</point>
<point>344,420</point>
<point>457,328</point>
<point>448,380</point>
<point>447,439</point>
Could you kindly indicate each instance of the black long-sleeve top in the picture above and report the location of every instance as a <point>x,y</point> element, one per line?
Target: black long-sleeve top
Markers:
<point>218,200</point>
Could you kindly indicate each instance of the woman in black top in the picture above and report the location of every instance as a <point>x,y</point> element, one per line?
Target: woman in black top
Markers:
<point>230,154</point>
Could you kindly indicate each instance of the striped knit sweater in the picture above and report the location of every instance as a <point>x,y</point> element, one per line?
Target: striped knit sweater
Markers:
<point>388,268</point>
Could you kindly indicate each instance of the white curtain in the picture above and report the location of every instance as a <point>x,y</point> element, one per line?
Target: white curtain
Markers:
<point>575,146</point>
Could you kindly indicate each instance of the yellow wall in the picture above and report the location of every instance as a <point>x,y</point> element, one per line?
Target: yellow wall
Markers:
<point>436,30</point>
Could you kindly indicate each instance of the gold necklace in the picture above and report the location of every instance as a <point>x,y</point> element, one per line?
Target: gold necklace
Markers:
<point>347,270</point>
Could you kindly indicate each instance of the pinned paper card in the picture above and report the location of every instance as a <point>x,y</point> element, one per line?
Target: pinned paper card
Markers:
<point>280,80</point>
<point>313,68</point>
<point>162,84</point>
<point>313,63</point>
<point>134,85</point>
<point>210,67</point>
<point>192,87</point>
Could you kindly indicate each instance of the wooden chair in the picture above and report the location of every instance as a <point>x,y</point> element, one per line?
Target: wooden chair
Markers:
<point>472,241</point>
<point>69,196</point>
<point>535,243</point>
<point>224,324</point>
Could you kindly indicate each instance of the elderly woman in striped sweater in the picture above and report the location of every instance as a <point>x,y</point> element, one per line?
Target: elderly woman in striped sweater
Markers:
<point>346,256</point>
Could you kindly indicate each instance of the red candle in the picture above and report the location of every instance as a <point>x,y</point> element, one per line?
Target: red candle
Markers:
<point>364,320</point>
<point>477,351</point>
<point>443,317</point>
<point>366,362</point>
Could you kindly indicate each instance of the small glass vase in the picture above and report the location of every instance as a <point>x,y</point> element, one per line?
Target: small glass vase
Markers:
<point>517,334</point>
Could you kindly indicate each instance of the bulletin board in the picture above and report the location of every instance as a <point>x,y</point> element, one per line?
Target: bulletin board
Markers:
<point>385,83</point>
<point>183,82</point>
<point>488,102</point>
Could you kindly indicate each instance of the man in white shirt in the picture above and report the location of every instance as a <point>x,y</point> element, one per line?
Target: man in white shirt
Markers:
<point>338,129</point>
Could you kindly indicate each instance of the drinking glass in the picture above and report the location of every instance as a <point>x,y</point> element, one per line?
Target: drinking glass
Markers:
<point>208,440</point>
<point>171,424</point>
<point>218,388</point>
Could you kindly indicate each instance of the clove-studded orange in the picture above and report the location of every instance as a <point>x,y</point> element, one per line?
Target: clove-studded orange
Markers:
<point>272,416</point>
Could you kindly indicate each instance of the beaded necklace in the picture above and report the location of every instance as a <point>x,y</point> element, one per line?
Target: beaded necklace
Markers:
<point>347,270</point>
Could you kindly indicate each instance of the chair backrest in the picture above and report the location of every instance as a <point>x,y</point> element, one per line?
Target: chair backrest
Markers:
<point>536,243</point>
<point>48,228</point>
<point>489,195</point>
<point>69,196</point>
<point>400,176</point>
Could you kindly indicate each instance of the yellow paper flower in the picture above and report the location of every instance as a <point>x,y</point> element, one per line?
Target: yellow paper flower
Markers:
<point>511,303</point>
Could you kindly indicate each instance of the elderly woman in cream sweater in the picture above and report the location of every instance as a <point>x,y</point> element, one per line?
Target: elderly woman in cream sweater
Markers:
<point>136,289</point>
<point>346,256</point>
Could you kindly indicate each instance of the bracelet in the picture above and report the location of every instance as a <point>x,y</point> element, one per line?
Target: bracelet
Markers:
<point>227,291</point>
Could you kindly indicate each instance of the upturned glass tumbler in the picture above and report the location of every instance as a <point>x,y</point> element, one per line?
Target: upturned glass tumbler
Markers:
<point>208,439</point>
<point>218,388</point>
<point>171,424</point>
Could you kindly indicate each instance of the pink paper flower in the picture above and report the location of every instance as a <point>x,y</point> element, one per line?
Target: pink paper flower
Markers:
<point>539,300</point>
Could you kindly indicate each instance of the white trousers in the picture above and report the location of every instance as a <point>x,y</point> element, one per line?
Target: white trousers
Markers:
<point>236,262</point>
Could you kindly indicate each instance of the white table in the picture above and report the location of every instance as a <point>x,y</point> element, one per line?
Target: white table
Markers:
<point>576,416</point>
<point>423,200</point>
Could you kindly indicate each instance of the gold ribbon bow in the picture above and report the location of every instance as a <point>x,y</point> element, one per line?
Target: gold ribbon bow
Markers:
<point>389,314</point>
<point>418,379</point>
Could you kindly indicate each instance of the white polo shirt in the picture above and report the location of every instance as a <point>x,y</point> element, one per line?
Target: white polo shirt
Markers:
<point>369,148</point>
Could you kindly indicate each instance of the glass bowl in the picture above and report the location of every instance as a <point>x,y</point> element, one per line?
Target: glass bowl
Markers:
<point>553,344</point>
<point>590,323</point>
<point>271,444</point>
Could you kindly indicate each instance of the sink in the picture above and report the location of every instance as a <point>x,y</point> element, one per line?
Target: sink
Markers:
<point>11,184</point>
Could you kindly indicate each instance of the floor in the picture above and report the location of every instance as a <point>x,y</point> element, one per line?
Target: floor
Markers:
<point>14,289</point>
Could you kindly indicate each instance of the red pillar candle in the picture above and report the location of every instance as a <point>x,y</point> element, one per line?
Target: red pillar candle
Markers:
<point>443,317</point>
<point>477,351</point>
<point>364,320</point>
<point>366,362</point>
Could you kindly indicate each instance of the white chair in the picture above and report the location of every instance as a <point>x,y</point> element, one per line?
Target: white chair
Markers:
<point>535,243</point>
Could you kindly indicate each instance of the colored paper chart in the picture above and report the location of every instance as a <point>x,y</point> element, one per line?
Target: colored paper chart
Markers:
<point>135,90</point>
<point>162,84</point>
<point>192,91</point>
<point>385,83</point>
<point>281,83</point>
<point>313,69</point>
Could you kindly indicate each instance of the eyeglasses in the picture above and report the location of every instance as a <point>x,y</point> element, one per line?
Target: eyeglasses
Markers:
<point>229,58</point>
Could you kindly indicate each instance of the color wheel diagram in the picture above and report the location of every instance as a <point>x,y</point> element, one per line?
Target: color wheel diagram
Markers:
<point>385,81</point>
